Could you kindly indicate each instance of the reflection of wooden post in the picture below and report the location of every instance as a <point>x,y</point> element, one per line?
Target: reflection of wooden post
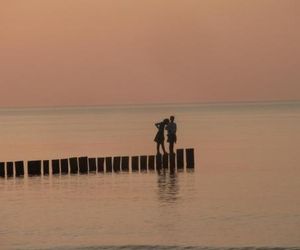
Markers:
<point>10,169</point>
<point>143,161</point>
<point>165,160</point>
<point>151,160</point>
<point>135,163</point>
<point>19,165</point>
<point>190,162</point>
<point>64,166</point>
<point>46,167</point>
<point>73,165</point>
<point>34,168</point>
<point>117,163</point>
<point>100,161</point>
<point>179,154</point>
<point>158,161</point>
<point>125,163</point>
<point>172,161</point>
<point>55,166</point>
<point>83,165</point>
<point>2,169</point>
<point>92,164</point>
<point>108,164</point>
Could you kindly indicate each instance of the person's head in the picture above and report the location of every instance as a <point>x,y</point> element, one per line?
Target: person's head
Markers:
<point>172,118</point>
<point>166,121</point>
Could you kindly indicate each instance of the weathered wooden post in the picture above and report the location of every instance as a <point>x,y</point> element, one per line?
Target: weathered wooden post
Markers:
<point>165,160</point>
<point>73,165</point>
<point>125,163</point>
<point>179,156</point>
<point>151,162</point>
<point>2,169</point>
<point>172,161</point>
<point>83,165</point>
<point>55,166</point>
<point>10,169</point>
<point>117,163</point>
<point>134,163</point>
<point>34,168</point>
<point>108,164</point>
<point>64,166</point>
<point>19,165</point>
<point>100,161</point>
<point>92,165</point>
<point>143,162</point>
<point>158,161</point>
<point>190,162</point>
<point>46,167</point>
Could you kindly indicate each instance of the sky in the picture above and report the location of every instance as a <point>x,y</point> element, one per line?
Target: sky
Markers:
<point>103,52</point>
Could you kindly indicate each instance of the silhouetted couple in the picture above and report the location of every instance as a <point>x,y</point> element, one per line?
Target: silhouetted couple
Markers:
<point>171,128</point>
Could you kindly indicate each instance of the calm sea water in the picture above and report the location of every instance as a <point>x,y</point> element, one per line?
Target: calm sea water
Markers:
<point>243,194</point>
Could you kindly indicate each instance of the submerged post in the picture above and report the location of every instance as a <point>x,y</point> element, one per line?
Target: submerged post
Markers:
<point>73,165</point>
<point>10,169</point>
<point>83,165</point>
<point>151,162</point>
<point>34,168</point>
<point>143,162</point>
<point>190,162</point>
<point>158,161</point>
<point>92,164</point>
<point>64,165</point>
<point>179,156</point>
<point>46,167</point>
<point>172,161</point>
<point>55,166</point>
<point>2,169</point>
<point>108,164</point>
<point>117,164</point>
<point>100,161</point>
<point>19,168</point>
<point>134,163</point>
<point>125,163</point>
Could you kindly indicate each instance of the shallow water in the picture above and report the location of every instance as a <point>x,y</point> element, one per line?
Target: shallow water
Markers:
<point>244,190</point>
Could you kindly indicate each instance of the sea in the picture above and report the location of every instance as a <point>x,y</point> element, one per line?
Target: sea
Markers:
<point>243,194</point>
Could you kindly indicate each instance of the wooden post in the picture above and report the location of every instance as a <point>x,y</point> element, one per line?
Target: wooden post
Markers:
<point>125,163</point>
<point>179,155</point>
<point>19,165</point>
<point>46,167</point>
<point>117,164</point>
<point>34,168</point>
<point>172,161</point>
<point>151,161</point>
<point>10,169</point>
<point>100,164</point>
<point>92,164</point>
<point>165,160</point>
<point>158,161</point>
<point>55,166</point>
<point>108,164</point>
<point>2,169</point>
<point>190,162</point>
<point>73,165</point>
<point>83,165</point>
<point>134,163</point>
<point>143,162</point>
<point>64,165</point>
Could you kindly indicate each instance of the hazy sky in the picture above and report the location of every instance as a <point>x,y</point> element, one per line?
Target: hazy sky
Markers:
<point>93,52</point>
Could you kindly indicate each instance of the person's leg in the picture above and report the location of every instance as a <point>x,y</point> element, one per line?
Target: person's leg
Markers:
<point>171,146</point>
<point>157,148</point>
<point>163,147</point>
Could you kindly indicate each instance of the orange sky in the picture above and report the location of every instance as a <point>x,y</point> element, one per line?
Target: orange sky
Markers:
<point>93,52</point>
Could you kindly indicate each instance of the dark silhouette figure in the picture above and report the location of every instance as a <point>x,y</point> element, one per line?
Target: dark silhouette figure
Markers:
<point>172,138</point>
<point>160,137</point>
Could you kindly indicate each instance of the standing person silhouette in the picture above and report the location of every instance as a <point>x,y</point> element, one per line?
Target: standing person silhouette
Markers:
<point>172,138</point>
<point>160,137</point>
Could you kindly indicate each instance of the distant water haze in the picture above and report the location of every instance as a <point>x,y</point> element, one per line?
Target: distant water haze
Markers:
<point>56,53</point>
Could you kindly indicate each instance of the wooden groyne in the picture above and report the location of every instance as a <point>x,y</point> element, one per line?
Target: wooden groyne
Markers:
<point>84,165</point>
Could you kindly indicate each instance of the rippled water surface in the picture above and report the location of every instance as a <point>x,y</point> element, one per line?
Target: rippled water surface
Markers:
<point>244,191</point>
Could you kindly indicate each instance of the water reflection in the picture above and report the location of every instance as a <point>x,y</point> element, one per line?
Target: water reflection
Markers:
<point>168,187</point>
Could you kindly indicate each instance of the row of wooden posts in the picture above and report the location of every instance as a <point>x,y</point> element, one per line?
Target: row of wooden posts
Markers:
<point>84,165</point>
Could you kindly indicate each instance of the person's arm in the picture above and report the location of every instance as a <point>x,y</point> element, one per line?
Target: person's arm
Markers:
<point>157,124</point>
